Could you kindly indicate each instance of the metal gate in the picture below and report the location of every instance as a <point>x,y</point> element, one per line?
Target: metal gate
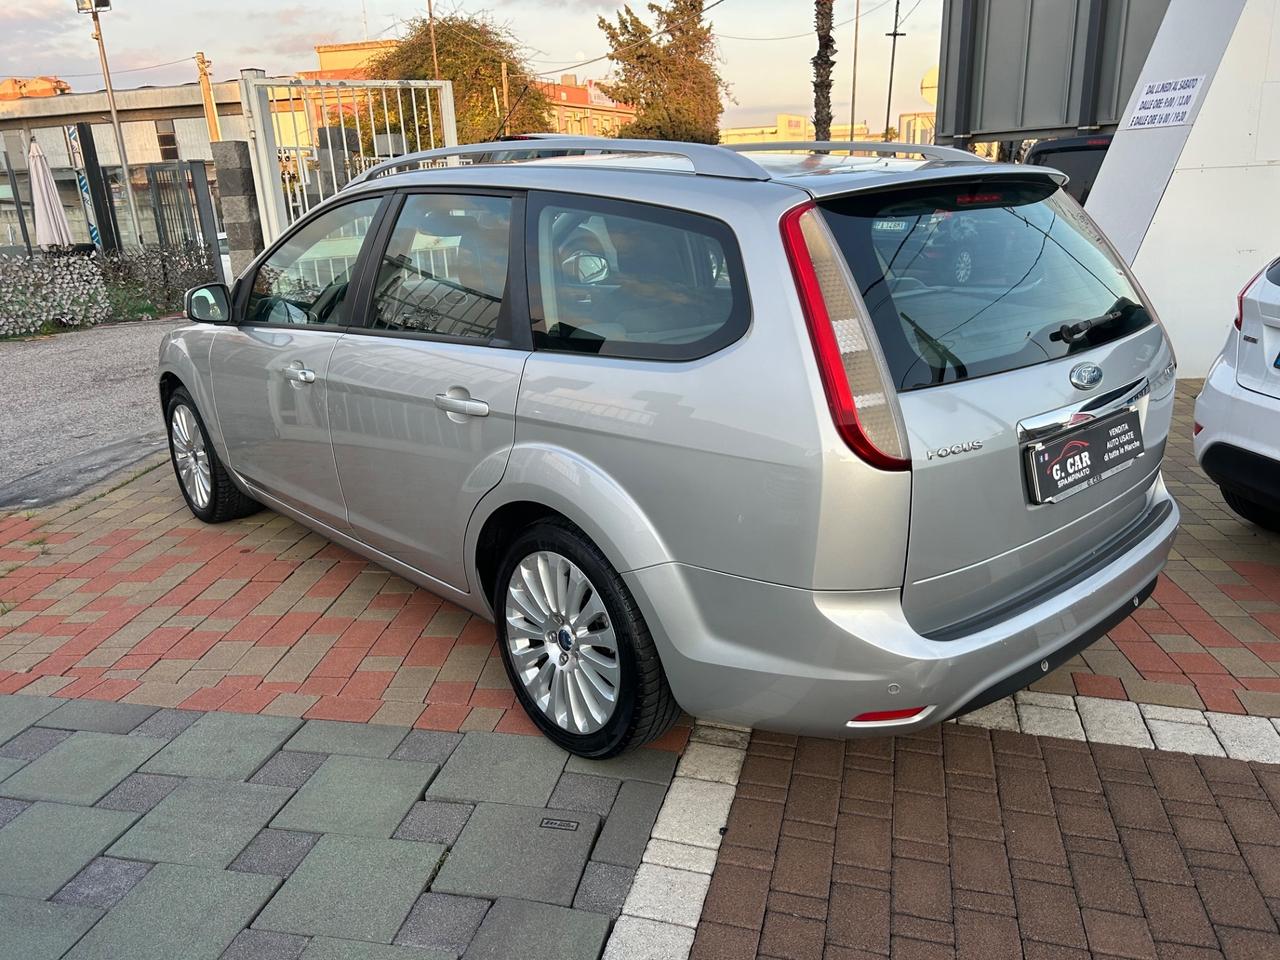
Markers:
<point>310,137</point>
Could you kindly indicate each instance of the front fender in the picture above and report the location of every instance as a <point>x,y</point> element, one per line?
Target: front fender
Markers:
<point>584,493</point>
<point>185,353</point>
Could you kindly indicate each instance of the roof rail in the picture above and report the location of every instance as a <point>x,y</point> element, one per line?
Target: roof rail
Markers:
<point>706,159</point>
<point>926,150</point>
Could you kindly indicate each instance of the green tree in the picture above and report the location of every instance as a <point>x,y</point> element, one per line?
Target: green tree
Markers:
<point>667,72</point>
<point>472,49</point>
<point>823,61</point>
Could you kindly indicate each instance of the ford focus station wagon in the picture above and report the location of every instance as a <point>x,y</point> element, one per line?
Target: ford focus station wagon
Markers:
<point>832,443</point>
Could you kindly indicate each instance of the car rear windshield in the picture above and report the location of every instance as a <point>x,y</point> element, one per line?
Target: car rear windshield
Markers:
<point>974,279</point>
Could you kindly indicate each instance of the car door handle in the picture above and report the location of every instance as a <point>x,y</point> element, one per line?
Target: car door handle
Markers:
<point>462,405</point>
<point>300,374</point>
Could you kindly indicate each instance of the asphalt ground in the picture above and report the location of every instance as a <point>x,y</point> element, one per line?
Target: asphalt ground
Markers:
<point>76,407</point>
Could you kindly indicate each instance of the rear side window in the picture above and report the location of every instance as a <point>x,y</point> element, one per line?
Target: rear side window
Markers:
<point>971,280</point>
<point>630,280</point>
<point>1081,165</point>
<point>444,271</point>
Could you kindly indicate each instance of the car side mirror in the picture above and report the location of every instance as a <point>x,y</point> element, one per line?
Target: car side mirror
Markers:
<point>583,267</point>
<point>210,303</point>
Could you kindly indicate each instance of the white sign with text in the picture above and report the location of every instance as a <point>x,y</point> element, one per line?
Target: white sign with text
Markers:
<point>1166,103</point>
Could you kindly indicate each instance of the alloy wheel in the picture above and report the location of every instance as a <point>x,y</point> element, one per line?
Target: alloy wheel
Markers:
<point>562,642</point>
<point>190,456</point>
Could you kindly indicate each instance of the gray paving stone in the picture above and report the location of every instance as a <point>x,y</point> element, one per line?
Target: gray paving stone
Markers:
<point>536,848</point>
<point>167,723</point>
<point>356,796</point>
<point>353,739</point>
<point>352,887</point>
<point>32,742</point>
<point>604,888</point>
<point>327,948</point>
<point>10,809</point>
<point>223,746</point>
<point>103,883</point>
<point>443,923</point>
<point>139,792</point>
<point>265,945</point>
<point>655,766</point>
<point>288,769</point>
<point>434,821</point>
<point>429,746</point>
<point>635,938</point>
<point>626,832</point>
<point>18,712</point>
<point>49,843</point>
<point>82,769</point>
<point>500,768</point>
<point>519,929</point>
<point>9,767</point>
<point>100,716</point>
<point>177,912</point>
<point>202,823</point>
<point>576,791</point>
<point>275,852</point>
<point>31,930</point>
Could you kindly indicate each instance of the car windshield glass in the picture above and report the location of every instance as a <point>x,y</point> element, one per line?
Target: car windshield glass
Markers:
<point>974,279</point>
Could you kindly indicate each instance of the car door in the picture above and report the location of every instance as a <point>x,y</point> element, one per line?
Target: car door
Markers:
<point>422,397</point>
<point>269,371</point>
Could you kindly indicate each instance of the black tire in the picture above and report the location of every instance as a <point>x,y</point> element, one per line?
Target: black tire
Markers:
<point>1256,513</point>
<point>226,500</point>
<point>645,708</point>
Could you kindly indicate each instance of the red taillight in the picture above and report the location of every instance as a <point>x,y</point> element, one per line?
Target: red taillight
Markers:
<point>1241,295</point>
<point>885,716</point>
<point>835,367</point>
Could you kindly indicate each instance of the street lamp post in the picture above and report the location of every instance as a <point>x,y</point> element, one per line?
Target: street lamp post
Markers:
<point>92,7</point>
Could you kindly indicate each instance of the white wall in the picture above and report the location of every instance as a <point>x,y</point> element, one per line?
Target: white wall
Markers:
<point>1196,233</point>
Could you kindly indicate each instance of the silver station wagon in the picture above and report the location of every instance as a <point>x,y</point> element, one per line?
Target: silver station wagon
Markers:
<point>826,440</point>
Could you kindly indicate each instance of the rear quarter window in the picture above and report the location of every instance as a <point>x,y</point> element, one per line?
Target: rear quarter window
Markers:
<point>975,279</point>
<point>624,279</point>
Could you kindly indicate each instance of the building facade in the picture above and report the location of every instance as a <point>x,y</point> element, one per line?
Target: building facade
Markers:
<point>789,126</point>
<point>583,108</point>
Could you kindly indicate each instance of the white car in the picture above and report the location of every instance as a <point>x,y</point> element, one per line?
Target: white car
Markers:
<point>1237,421</point>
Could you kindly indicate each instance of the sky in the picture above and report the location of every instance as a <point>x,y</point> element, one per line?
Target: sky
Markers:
<point>766,77</point>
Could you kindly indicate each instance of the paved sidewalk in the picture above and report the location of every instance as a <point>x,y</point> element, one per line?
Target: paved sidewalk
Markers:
<point>128,831</point>
<point>986,845</point>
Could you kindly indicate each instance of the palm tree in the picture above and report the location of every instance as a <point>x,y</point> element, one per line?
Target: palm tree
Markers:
<point>823,62</point>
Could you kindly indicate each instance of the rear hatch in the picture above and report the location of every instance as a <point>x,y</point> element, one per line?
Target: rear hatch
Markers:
<point>1258,364</point>
<point>989,297</point>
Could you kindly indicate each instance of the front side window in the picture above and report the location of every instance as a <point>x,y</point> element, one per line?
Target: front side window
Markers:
<point>444,271</point>
<point>306,279</point>
<point>629,280</point>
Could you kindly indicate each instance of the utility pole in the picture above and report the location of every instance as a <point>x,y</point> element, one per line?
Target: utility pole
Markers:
<point>435,57</point>
<point>206,94</point>
<point>115,124</point>
<point>853,94</point>
<point>893,53</point>
<point>506,99</point>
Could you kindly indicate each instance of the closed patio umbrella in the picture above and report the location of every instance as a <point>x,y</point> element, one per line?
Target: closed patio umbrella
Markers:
<point>52,229</point>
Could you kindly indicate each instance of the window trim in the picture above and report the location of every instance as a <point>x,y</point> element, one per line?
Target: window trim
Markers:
<point>736,324</point>
<point>244,286</point>
<point>511,330</point>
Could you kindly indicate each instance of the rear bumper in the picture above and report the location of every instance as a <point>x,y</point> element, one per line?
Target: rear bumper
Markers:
<point>1238,445</point>
<point>1249,474</point>
<point>804,661</point>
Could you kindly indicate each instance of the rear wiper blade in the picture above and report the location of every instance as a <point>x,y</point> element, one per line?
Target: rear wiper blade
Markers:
<point>1071,332</point>
<point>943,353</point>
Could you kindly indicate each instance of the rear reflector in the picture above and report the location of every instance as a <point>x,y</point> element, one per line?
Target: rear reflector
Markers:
<point>885,716</point>
<point>864,407</point>
<point>1195,429</point>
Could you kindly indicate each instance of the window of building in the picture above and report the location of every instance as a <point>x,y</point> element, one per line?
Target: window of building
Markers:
<point>167,139</point>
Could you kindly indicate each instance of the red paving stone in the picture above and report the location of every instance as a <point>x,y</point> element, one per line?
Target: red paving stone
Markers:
<point>969,843</point>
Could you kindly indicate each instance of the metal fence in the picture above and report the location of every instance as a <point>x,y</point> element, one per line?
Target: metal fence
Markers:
<point>310,137</point>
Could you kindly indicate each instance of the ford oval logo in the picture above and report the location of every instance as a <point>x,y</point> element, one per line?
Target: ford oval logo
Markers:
<point>1086,376</point>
